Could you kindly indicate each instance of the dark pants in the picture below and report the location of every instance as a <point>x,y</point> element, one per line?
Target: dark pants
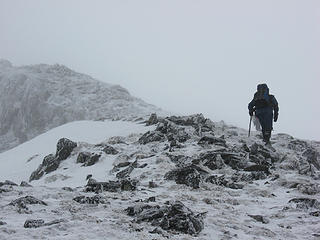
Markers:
<point>265,116</point>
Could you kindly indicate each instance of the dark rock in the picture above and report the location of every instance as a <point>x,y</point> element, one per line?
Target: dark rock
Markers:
<point>90,200</point>
<point>175,217</point>
<point>110,150</point>
<point>212,160</point>
<point>33,223</point>
<point>222,181</point>
<point>128,185</point>
<point>310,189</point>
<point>64,148</point>
<point>315,214</point>
<point>126,172</point>
<point>313,157</point>
<point>142,165</point>
<point>152,120</point>
<point>142,156</point>
<point>2,223</point>
<point>88,159</point>
<point>49,164</point>
<point>189,175</point>
<point>89,176</point>
<point>234,160</point>
<point>25,184</point>
<point>2,190</point>
<point>298,145</point>
<point>154,136</point>
<point>182,219</point>
<point>68,189</point>
<point>305,203</point>
<point>245,148</point>
<point>83,157</point>
<point>196,121</point>
<point>152,184</point>
<point>23,201</point>
<point>9,183</point>
<point>257,168</point>
<point>123,164</point>
<point>180,160</point>
<point>111,186</point>
<point>248,177</point>
<point>259,218</point>
<point>212,140</point>
<point>92,160</point>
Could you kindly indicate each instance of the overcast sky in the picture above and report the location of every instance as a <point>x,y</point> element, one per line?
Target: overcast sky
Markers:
<point>181,55</point>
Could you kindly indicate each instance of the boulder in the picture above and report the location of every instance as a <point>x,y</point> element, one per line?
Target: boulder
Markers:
<point>149,137</point>
<point>305,203</point>
<point>153,119</point>
<point>24,201</point>
<point>313,157</point>
<point>33,223</point>
<point>259,218</point>
<point>176,217</point>
<point>190,175</point>
<point>110,150</point>
<point>97,199</point>
<point>209,139</point>
<point>49,164</point>
<point>25,184</point>
<point>64,148</point>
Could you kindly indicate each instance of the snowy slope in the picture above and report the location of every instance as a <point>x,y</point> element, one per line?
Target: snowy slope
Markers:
<point>18,163</point>
<point>278,200</point>
<point>40,97</point>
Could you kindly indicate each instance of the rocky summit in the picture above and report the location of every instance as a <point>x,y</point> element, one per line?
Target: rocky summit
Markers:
<point>37,98</point>
<point>185,177</point>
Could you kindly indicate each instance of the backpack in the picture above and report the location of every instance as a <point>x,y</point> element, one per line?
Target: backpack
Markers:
<point>262,97</point>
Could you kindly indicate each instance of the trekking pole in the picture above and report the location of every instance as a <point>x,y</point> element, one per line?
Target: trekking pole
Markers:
<point>250,126</point>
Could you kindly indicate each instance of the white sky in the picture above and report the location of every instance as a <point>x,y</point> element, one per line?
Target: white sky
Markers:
<point>184,56</point>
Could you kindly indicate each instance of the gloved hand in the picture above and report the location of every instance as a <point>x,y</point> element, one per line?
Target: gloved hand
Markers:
<point>251,113</point>
<point>275,118</point>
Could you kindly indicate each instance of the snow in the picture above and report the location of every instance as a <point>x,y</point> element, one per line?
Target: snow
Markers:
<point>27,156</point>
<point>227,209</point>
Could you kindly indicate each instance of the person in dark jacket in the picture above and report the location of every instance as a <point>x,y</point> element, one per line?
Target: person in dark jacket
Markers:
<point>266,109</point>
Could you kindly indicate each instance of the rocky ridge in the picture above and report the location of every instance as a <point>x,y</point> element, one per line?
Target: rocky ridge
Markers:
<point>37,98</point>
<point>188,176</point>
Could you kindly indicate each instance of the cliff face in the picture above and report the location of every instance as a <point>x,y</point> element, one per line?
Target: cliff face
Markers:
<point>37,98</point>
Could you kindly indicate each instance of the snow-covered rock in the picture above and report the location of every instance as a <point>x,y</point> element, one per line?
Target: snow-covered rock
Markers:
<point>152,189</point>
<point>40,97</point>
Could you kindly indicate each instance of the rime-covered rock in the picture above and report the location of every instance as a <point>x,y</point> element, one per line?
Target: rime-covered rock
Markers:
<point>305,203</point>
<point>24,201</point>
<point>154,136</point>
<point>176,217</point>
<point>153,119</point>
<point>64,148</point>
<point>97,199</point>
<point>110,150</point>
<point>111,186</point>
<point>212,140</point>
<point>33,223</point>
<point>190,175</point>
<point>25,184</point>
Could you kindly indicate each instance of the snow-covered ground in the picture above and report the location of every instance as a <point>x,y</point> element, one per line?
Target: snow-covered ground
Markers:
<point>18,163</point>
<point>229,205</point>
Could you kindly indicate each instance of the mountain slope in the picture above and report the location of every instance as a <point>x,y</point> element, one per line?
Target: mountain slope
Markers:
<point>37,98</point>
<point>180,178</point>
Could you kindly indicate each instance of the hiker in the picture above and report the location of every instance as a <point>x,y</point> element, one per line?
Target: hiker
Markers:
<point>265,107</point>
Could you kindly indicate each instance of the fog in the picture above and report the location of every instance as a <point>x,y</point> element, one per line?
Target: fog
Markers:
<point>181,55</point>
